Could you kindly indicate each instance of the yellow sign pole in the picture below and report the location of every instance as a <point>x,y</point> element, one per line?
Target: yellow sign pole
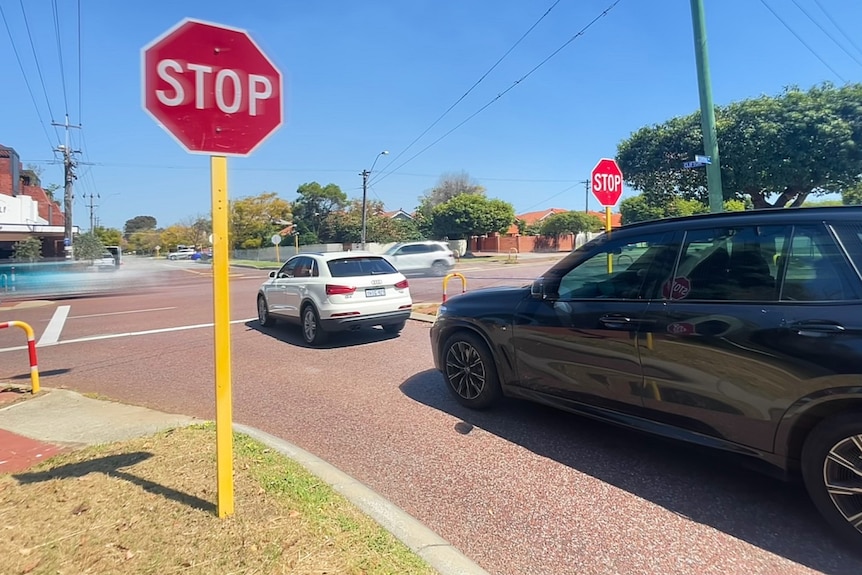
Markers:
<point>608,230</point>
<point>221,316</point>
<point>277,258</point>
<point>295,243</point>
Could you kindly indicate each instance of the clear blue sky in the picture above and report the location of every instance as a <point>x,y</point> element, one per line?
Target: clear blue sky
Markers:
<point>361,77</point>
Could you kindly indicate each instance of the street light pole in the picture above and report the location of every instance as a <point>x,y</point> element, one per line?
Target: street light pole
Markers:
<point>365,174</point>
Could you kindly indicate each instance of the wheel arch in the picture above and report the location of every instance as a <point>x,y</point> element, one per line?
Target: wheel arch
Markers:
<point>805,415</point>
<point>502,361</point>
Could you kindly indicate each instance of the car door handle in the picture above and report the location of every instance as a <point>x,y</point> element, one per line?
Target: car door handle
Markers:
<point>816,328</point>
<point>615,321</point>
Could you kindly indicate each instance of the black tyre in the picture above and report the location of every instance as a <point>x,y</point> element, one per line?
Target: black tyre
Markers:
<point>470,372</point>
<point>439,268</point>
<point>394,327</point>
<point>312,333</point>
<point>832,469</point>
<point>263,316</point>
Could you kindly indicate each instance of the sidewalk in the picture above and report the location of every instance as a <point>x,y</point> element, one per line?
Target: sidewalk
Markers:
<point>34,428</point>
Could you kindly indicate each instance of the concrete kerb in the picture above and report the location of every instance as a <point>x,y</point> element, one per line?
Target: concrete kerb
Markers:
<point>435,550</point>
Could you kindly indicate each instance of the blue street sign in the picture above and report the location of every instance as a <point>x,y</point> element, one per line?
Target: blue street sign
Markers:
<point>703,159</point>
<point>67,242</point>
<point>693,164</point>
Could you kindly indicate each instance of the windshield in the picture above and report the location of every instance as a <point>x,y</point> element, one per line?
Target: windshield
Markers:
<point>353,267</point>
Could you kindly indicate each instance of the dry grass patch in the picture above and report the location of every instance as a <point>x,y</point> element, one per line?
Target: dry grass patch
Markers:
<point>428,309</point>
<point>147,506</point>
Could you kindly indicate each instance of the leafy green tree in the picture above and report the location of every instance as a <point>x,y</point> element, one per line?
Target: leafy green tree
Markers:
<point>852,196</point>
<point>87,246</point>
<point>108,236</point>
<point>313,206</point>
<point>28,250</point>
<point>345,226</point>
<point>174,235</point>
<point>144,242</point>
<point>785,147</point>
<point>253,219</point>
<point>138,224</point>
<point>570,223</point>
<point>468,215</point>
<point>637,209</point>
<point>448,186</point>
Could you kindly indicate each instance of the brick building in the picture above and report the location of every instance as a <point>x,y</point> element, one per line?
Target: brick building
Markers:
<point>26,209</point>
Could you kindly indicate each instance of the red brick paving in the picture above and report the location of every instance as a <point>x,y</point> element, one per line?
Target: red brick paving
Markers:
<point>18,453</point>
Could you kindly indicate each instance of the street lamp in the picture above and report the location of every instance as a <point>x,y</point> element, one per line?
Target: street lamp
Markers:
<point>365,174</point>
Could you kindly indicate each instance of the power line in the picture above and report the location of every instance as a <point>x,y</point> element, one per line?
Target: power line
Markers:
<point>504,92</point>
<point>804,43</point>
<point>38,68</point>
<point>476,83</point>
<point>27,82</point>
<point>80,72</point>
<point>840,29</point>
<point>60,53</point>
<point>828,34</point>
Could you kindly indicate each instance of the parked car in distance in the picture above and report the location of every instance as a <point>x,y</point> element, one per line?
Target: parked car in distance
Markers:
<point>183,254</point>
<point>737,331</point>
<point>426,257</point>
<point>335,291</point>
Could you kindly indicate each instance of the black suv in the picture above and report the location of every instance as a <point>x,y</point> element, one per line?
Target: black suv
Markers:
<point>736,331</point>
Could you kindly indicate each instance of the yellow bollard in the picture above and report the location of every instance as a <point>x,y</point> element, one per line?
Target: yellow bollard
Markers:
<point>31,348</point>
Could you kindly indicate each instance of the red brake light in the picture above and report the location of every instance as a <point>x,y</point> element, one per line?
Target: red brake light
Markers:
<point>339,290</point>
<point>402,284</point>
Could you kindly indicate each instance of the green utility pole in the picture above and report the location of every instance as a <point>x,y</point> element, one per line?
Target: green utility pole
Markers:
<point>707,111</point>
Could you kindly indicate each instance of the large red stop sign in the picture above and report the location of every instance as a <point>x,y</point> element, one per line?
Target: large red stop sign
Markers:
<point>212,88</point>
<point>606,182</point>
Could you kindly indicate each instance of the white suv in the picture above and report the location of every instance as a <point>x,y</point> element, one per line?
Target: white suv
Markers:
<point>421,257</point>
<point>337,291</point>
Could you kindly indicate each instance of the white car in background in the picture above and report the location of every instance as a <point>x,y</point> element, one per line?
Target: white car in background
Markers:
<point>425,257</point>
<point>184,254</point>
<point>336,291</point>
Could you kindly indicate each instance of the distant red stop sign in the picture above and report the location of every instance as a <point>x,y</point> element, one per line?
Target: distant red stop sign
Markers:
<point>607,182</point>
<point>212,88</point>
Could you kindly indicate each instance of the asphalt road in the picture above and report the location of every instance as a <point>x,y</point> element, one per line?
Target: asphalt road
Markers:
<point>521,489</point>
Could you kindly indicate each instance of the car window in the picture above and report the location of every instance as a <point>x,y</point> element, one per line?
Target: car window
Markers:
<point>414,249</point>
<point>303,267</point>
<point>288,268</point>
<point>850,235</point>
<point>734,263</point>
<point>620,269</point>
<point>816,268</point>
<point>364,266</point>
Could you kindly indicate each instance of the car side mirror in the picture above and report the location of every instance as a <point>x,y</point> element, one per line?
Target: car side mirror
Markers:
<point>272,273</point>
<point>537,288</point>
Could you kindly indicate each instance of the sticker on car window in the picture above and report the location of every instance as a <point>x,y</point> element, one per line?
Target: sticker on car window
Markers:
<point>679,289</point>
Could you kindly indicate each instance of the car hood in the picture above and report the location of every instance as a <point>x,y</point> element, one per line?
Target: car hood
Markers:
<point>496,301</point>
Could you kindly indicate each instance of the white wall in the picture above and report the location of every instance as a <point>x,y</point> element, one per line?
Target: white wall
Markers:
<point>19,210</point>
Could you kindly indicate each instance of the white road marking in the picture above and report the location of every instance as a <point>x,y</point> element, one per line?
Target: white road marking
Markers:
<point>55,326</point>
<point>122,312</point>
<point>129,334</point>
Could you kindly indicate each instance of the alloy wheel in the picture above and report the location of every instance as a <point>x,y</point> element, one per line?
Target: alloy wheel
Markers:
<point>842,476</point>
<point>309,325</point>
<point>465,370</point>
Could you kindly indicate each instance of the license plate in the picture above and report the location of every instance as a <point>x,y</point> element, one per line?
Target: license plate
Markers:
<point>375,292</point>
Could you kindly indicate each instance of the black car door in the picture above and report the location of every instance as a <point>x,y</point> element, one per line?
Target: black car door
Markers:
<point>578,341</point>
<point>712,363</point>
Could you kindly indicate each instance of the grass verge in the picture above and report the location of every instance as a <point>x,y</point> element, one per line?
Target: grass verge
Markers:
<point>147,506</point>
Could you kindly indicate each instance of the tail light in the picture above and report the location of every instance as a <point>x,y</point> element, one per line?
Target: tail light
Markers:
<point>402,284</point>
<point>339,290</point>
